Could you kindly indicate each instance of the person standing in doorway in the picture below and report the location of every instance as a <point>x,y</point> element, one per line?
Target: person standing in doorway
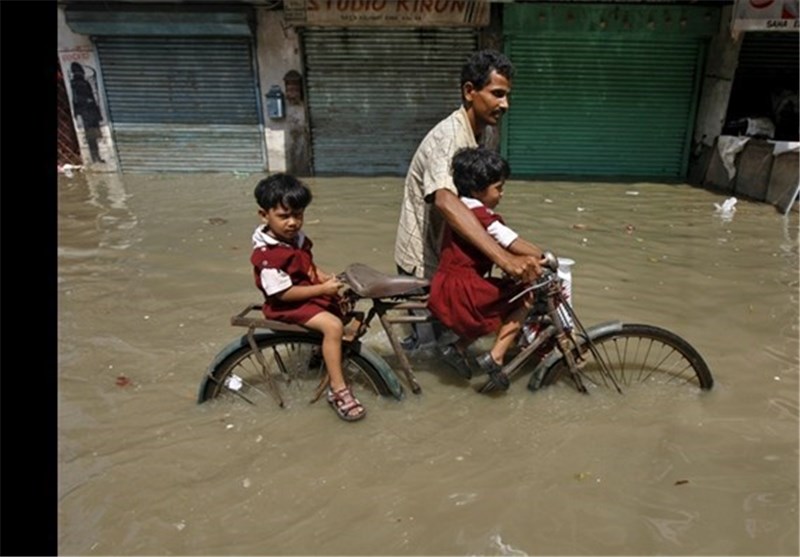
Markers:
<point>84,104</point>
<point>430,198</point>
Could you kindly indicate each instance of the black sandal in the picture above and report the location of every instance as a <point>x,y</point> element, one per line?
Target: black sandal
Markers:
<point>497,379</point>
<point>457,360</point>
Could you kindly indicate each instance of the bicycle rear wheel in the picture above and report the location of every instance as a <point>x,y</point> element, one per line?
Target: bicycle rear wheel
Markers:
<point>634,355</point>
<point>292,365</point>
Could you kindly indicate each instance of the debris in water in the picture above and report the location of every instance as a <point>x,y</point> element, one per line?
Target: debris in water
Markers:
<point>66,169</point>
<point>123,381</point>
<point>505,549</point>
<point>681,482</point>
<point>727,209</point>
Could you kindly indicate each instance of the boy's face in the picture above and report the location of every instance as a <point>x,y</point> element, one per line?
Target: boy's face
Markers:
<point>491,196</point>
<point>491,102</point>
<point>283,223</point>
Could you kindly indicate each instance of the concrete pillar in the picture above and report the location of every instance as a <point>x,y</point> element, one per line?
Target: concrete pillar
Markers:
<point>278,50</point>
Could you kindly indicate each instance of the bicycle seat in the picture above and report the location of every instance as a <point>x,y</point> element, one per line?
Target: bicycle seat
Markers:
<point>370,283</point>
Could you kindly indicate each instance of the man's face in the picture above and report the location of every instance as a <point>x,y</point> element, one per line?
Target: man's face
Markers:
<point>491,102</point>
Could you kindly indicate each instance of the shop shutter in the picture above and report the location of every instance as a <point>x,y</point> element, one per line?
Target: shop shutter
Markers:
<point>601,107</point>
<point>183,103</point>
<point>373,94</point>
<point>604,90</point>
<point>770,55</point>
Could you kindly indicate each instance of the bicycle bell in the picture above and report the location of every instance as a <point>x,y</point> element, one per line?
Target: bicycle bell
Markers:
<point>550,260</point>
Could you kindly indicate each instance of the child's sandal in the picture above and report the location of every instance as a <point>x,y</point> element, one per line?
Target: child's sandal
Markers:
<point>346,405</point>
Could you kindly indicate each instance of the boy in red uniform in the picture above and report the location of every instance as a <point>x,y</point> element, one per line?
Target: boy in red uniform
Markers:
<point>463,295</point>
<point>295,290</point>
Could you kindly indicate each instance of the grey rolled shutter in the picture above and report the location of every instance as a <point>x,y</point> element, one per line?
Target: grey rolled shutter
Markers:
<point>183,103</point>
<point>373,94</point>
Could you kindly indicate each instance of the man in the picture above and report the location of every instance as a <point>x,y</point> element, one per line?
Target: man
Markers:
<point>85,106</point>
<point>430,199</point>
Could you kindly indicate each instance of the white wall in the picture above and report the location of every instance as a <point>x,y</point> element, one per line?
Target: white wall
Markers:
<point>278,48</point>
<point>73,47</point>
<point>723,57</point>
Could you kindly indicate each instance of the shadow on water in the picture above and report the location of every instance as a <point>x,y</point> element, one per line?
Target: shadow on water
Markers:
<point>151,268</point>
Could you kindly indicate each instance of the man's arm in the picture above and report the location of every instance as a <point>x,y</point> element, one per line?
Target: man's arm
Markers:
<point>523,247</point>
<point>466,225</point>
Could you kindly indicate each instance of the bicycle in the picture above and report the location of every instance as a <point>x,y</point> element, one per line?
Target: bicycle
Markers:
<point>282,362</point>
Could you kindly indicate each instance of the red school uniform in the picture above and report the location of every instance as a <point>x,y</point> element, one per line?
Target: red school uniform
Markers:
<point>462,296</point>
<point>276,267</point>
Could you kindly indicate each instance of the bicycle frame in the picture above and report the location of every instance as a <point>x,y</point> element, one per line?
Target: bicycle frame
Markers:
<point>393,299</point>
<point>611,354</point>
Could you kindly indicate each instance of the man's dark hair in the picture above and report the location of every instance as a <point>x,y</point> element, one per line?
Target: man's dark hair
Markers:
<point>477,168</point>
<point>477,68</point>
<point>282,189</point>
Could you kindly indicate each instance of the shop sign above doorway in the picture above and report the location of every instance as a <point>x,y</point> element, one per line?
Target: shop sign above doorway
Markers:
<point>765,15</point>
<point>387,13</point>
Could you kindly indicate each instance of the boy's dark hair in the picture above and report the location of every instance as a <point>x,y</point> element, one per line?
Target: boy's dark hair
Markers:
<point>477,68</point>
<point>282,189</point>
<point>477,168</point>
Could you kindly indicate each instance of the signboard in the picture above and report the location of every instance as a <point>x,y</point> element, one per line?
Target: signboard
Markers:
<point>387,13</point>
<point>765,15</point>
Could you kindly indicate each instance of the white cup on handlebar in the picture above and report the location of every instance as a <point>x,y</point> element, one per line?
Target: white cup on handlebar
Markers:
<point>565,274</point>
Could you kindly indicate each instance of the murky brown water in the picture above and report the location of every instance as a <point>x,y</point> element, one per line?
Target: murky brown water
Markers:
<point>148,279</point>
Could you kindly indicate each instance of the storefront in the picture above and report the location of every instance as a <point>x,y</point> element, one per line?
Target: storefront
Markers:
<point>180,86</point>
<point>756,155</point>
<point>380,75</point>
<point>765,86</point>
<point>604,90</point>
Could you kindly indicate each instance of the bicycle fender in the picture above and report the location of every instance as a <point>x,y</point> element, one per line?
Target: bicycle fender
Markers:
<point>592,332</point>
<point>387,373</point>
<point>221,355</point>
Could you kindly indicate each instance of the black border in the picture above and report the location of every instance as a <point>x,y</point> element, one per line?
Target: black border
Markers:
<point>28,279</point>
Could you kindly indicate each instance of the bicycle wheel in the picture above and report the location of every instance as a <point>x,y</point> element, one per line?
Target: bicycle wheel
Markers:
<point>633,355</point>
<point>292,364</point>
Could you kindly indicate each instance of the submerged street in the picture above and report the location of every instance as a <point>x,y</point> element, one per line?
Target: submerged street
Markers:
<point>152,267</point>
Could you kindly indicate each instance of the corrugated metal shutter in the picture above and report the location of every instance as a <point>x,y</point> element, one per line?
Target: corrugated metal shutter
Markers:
<point>374,94</point>
<point>584,105</point>
<point>182,103</point>
<point>769,55</point>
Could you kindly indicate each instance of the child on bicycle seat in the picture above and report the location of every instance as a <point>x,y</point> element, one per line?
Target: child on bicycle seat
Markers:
<point>295,290</point>
<point>463,294</point>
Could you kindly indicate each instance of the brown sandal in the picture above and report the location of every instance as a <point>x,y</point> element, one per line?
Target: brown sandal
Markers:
<point>344,403</point>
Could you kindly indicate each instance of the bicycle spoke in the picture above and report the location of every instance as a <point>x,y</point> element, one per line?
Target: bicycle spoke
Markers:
<point>635,355</point>
<point>290,364</point>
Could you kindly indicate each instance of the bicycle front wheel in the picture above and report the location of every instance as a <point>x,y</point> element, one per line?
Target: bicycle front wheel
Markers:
<point>634,355</point>
<point>288,368</point>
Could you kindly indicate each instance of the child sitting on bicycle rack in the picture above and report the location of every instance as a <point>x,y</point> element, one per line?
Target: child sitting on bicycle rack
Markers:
<point>463,294</point>
<point>295,290</point>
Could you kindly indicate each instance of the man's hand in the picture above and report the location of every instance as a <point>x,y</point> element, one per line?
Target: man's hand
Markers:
<point>522,267</point>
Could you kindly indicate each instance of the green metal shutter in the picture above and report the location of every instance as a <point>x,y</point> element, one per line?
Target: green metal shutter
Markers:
<point>183,103</point>
<point>590,106</point>
<point>604,90</point>
<point>373,94</point>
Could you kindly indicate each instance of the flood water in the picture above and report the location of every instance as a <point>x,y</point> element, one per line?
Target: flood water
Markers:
<point>151,268</point>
